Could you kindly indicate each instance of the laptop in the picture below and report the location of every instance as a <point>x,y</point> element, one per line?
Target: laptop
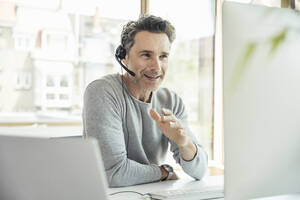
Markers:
<point>261,63</point>
<point>47,169</point>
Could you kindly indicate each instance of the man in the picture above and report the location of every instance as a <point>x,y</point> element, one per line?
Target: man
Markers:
<point>133,119</point>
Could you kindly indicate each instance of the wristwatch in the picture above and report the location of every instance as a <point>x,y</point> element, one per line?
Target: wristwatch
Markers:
<point>170,171</point>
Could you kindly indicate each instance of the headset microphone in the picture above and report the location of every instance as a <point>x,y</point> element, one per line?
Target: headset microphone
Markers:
<point>120,54</point>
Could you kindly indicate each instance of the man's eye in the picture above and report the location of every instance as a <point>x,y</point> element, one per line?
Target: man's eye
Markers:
<point>164,56</point>
<point>146,55</point>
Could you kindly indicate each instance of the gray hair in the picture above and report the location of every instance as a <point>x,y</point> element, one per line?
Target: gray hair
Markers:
<point>149,23</point>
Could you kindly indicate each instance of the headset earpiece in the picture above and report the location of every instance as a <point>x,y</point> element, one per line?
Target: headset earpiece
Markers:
<point>121,52</point>
<point>120,55</point>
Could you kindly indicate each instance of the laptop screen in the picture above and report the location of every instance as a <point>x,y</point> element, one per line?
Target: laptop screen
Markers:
<point>48,169</point>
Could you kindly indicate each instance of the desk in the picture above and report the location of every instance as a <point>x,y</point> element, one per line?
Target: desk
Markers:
<point>282,197</point>
<point>185,182</point>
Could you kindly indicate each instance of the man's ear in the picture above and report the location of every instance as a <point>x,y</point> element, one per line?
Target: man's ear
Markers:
<point>125,60</point>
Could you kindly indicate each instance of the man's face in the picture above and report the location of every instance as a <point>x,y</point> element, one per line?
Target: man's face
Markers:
<point>148,59</point>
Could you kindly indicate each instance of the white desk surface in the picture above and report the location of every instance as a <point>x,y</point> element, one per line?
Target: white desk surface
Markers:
<point>184,182</point>
<point>282,197</point>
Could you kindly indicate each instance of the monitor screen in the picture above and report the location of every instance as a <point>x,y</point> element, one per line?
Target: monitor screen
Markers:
<point>261,60</point>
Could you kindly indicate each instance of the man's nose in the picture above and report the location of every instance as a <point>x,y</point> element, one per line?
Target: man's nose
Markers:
<point>156,64</point>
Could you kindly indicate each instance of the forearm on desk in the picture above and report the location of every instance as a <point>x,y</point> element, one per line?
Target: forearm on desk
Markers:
<point>130,172</point>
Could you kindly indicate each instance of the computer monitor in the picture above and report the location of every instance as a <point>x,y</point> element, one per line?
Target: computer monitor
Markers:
<point>61,169</point>
<point>261,59</point>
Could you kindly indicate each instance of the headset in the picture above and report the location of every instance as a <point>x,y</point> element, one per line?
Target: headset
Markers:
<point>120,55</point>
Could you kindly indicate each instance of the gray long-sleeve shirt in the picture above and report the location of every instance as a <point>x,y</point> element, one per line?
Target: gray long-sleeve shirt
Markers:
<point>131,143</point>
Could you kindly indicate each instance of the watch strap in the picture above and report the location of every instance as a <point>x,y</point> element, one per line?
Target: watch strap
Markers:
<point>170,171</point>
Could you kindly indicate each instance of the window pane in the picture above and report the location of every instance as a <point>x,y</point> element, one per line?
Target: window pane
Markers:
<point>50,96</point>
<point>64,82</point>
<point>190,72</point>
<point>50,81</point>
<point>271,3</point>
<point>68,44</point>
<point>63,97</point>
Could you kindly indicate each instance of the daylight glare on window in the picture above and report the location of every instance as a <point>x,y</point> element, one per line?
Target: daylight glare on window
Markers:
<point>55,48</point>
<point>190,71</point>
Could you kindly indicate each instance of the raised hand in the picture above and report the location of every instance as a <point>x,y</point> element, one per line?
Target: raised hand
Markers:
<point>170,126</point>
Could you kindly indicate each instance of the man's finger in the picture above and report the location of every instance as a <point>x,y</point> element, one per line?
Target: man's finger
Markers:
<point>155,115</point>
<point>166,111</point>
<point>176,125</point>
<point>169,118</point>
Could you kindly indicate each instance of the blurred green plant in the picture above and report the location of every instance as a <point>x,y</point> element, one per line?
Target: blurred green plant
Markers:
<point>277,40</point>
<point>241,65</point>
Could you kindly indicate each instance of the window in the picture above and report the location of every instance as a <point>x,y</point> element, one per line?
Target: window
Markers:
<point>61,46</point>
<point>64,81</point>
<point>23,41</point>
<point>190,72</point>
<point>55,41</point>
<point>18,84</point>
<point>50,81</point>
<point>53,89</point>
<point>27,80</point>
<point>23,81</point>
<point>50,96</point>
<point>93,30</point>
<point>63,97</point>
<point>297,4</point>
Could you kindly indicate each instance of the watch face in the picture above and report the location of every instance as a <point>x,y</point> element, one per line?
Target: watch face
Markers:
<point>170,171</point>
<point>168,168</point>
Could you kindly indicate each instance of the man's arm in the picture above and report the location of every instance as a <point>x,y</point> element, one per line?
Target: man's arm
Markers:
<point>192,157</point>
<point>173,129</point>
<point>188,151</point>
<point>103,120</point>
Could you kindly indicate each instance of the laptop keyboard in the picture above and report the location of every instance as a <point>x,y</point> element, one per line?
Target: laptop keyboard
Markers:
<point>185,194</point>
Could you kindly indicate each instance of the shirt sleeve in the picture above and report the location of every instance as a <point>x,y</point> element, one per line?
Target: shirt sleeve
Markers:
<point>196,167</point>
<point>102,119</point>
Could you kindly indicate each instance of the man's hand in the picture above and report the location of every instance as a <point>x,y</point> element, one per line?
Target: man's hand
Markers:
<point>170,126</point>
<point>173,129</point>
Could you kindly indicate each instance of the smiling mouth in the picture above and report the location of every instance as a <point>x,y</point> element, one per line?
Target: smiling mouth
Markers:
<point>151,77</point>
